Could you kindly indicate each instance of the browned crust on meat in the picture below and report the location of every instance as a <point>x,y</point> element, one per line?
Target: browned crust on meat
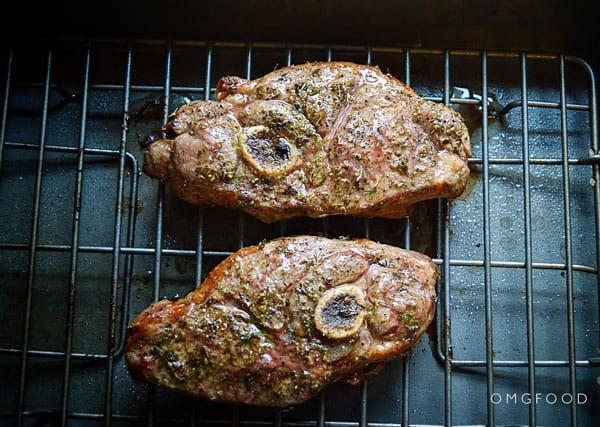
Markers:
<point>216,274</point>
<point>176,344</point>
<point>157,159</point>
<point>314,139</point>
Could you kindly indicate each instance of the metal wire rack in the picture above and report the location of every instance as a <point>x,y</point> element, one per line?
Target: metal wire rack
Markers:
<point>87,241</point>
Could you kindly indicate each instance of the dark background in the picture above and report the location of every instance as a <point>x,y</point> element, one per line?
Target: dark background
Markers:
<point>539,25</point>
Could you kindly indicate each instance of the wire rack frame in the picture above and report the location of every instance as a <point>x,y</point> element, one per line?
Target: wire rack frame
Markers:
<point>443,256</point>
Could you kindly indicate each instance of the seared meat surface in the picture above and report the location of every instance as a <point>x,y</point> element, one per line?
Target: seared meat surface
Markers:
<point>318,139</point>
<point>275,323</point>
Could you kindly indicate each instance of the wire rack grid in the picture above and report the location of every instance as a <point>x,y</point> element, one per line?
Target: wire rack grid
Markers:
<point>87,241</point>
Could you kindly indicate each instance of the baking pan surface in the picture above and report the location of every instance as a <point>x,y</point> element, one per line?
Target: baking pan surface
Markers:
<point>87,241</point>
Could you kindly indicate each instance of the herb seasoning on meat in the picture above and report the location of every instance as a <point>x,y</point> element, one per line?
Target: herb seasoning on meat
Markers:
<point>275,323</point>
<point>347,138</point>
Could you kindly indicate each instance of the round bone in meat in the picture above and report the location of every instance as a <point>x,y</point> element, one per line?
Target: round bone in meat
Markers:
<point>274,324</point>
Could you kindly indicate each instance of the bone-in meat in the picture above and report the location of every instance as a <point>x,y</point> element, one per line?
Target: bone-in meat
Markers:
<point>318,139</point>
<point>274,324</point>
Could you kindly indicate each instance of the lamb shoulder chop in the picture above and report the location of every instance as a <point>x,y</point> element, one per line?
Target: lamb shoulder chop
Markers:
<point>274,324</point>
<point>317,139</point>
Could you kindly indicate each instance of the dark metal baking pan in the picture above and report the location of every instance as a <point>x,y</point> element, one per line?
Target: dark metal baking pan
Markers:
<point>87,241</point>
